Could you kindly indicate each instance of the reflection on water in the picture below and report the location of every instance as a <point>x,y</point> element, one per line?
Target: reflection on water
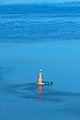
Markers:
<point>58,102</point>
<point>33,91</point>
<point>40,89</point>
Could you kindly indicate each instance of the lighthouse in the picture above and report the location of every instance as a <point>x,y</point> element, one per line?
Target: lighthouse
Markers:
<point>40,80</point>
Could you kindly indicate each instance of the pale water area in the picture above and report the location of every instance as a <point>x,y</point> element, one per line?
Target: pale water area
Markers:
<point>31,40</point>
<point>20,96</point>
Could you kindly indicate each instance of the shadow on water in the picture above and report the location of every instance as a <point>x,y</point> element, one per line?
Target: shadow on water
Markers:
<point>46,93</point>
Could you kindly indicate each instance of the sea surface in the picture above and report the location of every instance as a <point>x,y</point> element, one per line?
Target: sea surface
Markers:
<point>34,37</point>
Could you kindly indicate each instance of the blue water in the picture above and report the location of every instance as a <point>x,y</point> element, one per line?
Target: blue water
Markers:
<point>35,36</point>
<point>44,22</point>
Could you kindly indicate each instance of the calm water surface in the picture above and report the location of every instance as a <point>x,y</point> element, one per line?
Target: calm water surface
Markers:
<point>19,68</point>
<point>33,37</point>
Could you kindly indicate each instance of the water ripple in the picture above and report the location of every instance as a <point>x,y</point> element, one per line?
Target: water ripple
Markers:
<point>47,93</point>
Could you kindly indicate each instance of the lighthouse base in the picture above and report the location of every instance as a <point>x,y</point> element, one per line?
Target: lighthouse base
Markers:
<point>45,83</point>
